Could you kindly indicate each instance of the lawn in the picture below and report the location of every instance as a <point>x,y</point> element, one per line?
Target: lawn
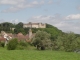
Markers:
<point>37,55</point>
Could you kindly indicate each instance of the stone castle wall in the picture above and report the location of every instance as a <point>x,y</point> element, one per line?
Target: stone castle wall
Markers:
<point>34,25</point>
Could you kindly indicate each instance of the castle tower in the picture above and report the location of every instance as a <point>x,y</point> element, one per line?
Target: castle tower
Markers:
<point>30,34</point>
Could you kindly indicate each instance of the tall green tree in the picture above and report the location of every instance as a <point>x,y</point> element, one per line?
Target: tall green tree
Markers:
<point>68,42</point>
<point>41,40</point>
<point>19,25</point>
<point>6,26</point>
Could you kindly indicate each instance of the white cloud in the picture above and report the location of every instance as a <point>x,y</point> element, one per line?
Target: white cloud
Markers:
<point>11,21</point>
<point>14,21</point>
<point>59,22</point>
<point>50,2</point>
<point>44,19</point>
<point>16,5</point>
<point>54,2</point>
<point>69,26</point>
<point>11,2</point>
<point>73,16</point>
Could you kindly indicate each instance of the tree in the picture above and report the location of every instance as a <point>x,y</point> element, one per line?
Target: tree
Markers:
<point>19,25</point>
<point>78,44</point>
<point>6,26</point>
<point>41,40</point>
<point>67,42</point>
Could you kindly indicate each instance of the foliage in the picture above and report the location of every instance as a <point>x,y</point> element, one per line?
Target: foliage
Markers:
<point>78,42</point>
<point>67,42</point>
<point>19,28</point>
<point>41,40</point>
<point>49,26</point>
<point>6,26</point>
<point>19,25</point>
<point>54,32</point>
<point>2,44</point>
<point>12,44</point>
<point>22,45</point>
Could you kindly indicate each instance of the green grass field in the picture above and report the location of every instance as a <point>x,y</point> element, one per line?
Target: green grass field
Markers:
<point>37,55</point>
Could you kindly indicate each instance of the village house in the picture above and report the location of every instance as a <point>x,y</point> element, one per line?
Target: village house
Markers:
<point>19,36</point>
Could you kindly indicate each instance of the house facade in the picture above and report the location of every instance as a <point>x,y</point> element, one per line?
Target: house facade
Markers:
<point>19,36</point>
<point>34,25</point>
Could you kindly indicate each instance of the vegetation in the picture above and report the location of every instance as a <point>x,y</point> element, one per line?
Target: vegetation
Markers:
<point>22,45</point>
<point>57,45</point>
<point>2,44</point>
<point>37,55</point>
<point>44,37</point>
<point>41,40</point>
<point>12,44</point>
<point>67,42</point>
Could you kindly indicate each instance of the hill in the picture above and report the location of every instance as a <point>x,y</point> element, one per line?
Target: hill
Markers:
<point>7,27</point>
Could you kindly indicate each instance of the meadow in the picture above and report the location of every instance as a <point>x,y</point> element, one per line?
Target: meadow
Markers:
<point>37,55</point>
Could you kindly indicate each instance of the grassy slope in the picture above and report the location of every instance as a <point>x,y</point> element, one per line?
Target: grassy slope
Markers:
<point>37,55</point>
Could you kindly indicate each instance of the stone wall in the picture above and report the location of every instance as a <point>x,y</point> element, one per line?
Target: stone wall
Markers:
<point>34,25</point>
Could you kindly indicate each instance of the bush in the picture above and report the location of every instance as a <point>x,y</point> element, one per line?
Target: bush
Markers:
<point>2,44</point>
<point>12,44</point>
<point>22,45</point>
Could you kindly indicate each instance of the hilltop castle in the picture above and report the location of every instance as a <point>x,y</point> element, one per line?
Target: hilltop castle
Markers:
<point>34,25</point>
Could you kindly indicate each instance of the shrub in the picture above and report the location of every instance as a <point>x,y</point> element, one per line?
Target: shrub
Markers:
<point>22,45</point>
<point>12,44</point>
<point>2,44</point>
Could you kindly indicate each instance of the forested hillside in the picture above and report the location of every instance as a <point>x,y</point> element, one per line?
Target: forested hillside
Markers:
<point>6,26</point>
<point>59,40</point>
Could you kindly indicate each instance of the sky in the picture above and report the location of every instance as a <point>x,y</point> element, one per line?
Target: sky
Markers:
<point>63,14</point>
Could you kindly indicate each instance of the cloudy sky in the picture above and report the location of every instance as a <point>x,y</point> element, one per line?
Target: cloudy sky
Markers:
<point>63,14</point>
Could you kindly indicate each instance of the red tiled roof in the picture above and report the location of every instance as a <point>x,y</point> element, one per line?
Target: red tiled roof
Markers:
<point>20,36</point>
<point>2,38</point>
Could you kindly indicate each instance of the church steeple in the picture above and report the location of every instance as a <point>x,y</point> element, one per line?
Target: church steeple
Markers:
<point>30,34</point>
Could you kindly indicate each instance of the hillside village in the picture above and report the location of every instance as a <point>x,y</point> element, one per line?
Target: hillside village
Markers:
<point>20,36</point>
<point>43,36</point>
<point>39,29</point>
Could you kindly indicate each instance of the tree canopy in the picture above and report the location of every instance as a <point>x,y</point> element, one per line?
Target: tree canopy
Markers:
<point>67,42</point>
<point>41,39</point>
